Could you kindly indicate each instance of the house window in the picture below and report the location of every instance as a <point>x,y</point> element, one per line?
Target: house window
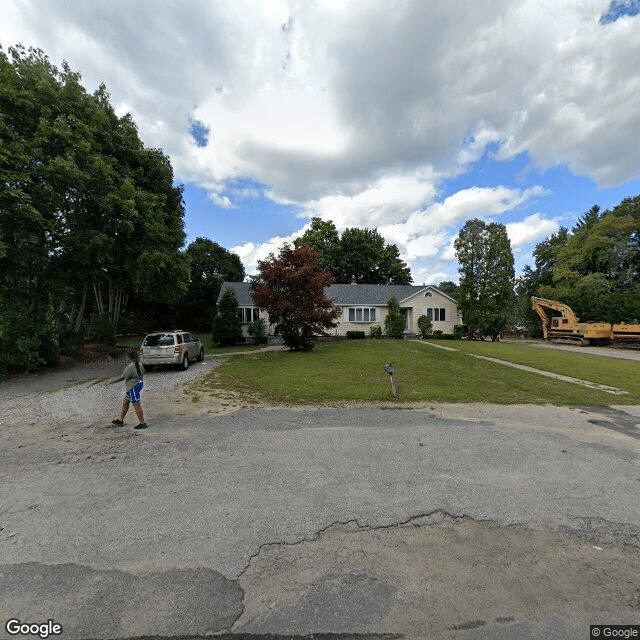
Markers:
<point>249,314</point>
<point>362,314</point>
<point>439,315</point>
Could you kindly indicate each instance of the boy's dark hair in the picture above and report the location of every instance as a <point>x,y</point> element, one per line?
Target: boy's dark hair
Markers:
<point>133,354</point>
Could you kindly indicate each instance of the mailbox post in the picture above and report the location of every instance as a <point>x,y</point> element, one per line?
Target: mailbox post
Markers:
<point>389,368</point>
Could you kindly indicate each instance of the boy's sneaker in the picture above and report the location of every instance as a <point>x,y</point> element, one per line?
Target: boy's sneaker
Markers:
<point>142,425</point>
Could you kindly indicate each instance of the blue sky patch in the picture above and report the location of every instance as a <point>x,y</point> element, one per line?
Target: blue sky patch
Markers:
<point>199,132</point>
<point>619,8</point>
<point>568,196</point>
<point>248,215</point>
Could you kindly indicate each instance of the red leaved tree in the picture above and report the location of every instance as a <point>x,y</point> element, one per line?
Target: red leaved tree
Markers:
<point>291,288</point>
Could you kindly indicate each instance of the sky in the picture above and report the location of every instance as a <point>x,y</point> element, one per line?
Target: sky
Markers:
<point>409,116</point>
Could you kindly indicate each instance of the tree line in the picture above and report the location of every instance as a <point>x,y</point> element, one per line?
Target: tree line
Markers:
<point>594,267</point>
<point>92,225</point>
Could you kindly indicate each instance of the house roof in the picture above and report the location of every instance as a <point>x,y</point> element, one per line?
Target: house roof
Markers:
<point>242,291</point>
<point>375,294</point>
<point>344,294</point>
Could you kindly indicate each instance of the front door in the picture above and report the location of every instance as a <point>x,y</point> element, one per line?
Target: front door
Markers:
<point>407,319</point>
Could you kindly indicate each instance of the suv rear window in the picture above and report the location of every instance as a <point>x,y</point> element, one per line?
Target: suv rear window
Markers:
<point>159,340</point>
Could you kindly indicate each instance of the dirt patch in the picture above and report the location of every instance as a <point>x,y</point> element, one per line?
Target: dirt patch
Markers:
<point>195,403</point>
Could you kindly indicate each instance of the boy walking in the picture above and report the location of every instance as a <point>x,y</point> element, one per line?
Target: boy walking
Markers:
<point>132,378</point>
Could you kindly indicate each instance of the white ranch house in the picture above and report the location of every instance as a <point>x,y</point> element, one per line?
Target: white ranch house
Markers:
<point>365,305</point>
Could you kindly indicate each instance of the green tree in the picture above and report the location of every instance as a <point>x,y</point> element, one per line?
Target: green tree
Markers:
<point>88,215</point>
<point>324,238</point>
<point>449,288</point>
<point>595,267</point>
<point>291,287</point>
<point>364,255</point>
<point>227,329</point>
<point>485,295</point>
<point>258,331</point>
<point>210,266</point>
<point>394,323</point>
<point>546,255</point>
<point>358,253</point>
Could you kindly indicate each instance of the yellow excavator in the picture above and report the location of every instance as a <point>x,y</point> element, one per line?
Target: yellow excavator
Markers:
<point>567,326</point>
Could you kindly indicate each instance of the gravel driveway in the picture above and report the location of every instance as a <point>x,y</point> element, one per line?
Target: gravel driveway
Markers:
<point>70,395</point>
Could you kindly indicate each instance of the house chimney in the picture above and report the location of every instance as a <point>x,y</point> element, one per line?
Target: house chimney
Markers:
<point>353,280</point>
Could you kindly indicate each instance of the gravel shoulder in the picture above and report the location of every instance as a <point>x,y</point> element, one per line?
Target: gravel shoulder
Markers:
<point>78,396</point>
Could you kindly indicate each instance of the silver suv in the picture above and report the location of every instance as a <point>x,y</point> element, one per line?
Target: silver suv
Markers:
<point>175,347</point>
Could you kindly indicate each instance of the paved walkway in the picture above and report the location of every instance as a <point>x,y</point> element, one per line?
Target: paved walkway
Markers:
<point>542,372</point>
<point>273,347</point>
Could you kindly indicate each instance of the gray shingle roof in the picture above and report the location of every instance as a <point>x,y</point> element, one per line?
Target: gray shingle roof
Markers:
<point>342,294</point>
<point>372,294</point>
<point>242,291</point>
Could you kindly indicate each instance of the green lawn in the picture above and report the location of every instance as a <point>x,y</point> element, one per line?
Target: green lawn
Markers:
<point>623,374</point>
<point>352,371</point>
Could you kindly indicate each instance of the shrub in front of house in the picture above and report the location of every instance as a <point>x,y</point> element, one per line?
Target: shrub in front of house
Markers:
<point>425,325</point>
<point>355,335</point>
<point>226,328</point>
<point>258,331</point>
<point>438,333</point>
<point>375,333</point>
<point>458,331</point>
<point>394,322</point>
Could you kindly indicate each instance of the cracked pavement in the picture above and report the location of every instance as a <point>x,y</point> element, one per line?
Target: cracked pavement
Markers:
<point>443,521</point>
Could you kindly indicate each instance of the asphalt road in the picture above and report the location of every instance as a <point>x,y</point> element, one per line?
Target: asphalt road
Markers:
<point>460,521</point>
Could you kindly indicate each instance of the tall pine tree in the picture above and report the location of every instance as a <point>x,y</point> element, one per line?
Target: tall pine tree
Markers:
<point>485,294</point>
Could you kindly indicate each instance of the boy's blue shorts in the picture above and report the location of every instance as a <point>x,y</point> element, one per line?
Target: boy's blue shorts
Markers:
<point>134,394</point>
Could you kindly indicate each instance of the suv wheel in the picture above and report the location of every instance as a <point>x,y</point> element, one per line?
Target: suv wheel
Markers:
<point>185,362</point>
<point>201,355</point>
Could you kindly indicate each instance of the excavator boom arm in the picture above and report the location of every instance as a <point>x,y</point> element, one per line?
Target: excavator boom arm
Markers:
<point>556,306</point>
<point>540,304</point>
<point>544,320</point>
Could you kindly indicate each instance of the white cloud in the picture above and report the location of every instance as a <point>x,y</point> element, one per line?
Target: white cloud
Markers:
<point>380,202</point>
<point>533,228</point>
<point>250,253</point>
<point>427,233</point>
<point>432,275</point>
<point>424,234</point>
<point>221,201</point>
<point>449,254</point>
<point>313,99</point>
